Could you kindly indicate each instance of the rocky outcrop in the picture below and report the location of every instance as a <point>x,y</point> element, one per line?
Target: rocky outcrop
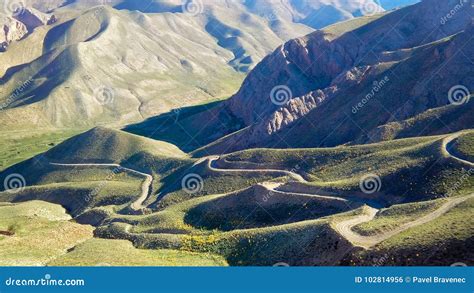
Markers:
<point>20,24</point>
<point>33,18</point>
<point>11,30</point>
<point>333,81</point>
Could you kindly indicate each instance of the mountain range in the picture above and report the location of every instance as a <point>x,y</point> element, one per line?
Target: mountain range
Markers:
<point>177,57</point>
<point>367,80</point>
<point>213,133</point>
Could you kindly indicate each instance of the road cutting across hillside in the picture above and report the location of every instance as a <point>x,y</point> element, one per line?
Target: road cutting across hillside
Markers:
<point>145,187</point>
<point>345,227</point>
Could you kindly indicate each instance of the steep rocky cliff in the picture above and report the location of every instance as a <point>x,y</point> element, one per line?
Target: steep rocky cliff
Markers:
<point>11,30</point>
<point>357,84</point>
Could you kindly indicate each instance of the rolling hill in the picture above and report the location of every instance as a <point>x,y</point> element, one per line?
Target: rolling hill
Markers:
<point>292,204</point>
<point>175,59</point>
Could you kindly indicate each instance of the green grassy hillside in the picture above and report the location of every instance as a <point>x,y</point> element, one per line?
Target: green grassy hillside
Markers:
<point>405,167</point>
<point>102,252</point>
<point>444,241</point>
<point>397,215</point>
<point>103,145</point>
<point>35,233</point>
<point>18,146</point>
<point>464,147</point>
<point>247,210</point>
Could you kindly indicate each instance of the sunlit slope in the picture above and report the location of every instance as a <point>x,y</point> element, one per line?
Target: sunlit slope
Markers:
<point>35,233</point>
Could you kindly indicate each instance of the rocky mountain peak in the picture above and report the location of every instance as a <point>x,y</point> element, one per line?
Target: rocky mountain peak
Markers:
<point>34,18</point>
<point>20,23</point>
<point>11,30</point>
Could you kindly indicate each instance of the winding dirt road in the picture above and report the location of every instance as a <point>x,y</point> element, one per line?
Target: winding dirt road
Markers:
<point>213,159</point>
<point>146,185</point>
<point>272,186</point>
<point>345,227</point>
<point>445,149</point>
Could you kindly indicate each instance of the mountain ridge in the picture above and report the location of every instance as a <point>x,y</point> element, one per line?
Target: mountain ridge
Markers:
<point>346,65</point>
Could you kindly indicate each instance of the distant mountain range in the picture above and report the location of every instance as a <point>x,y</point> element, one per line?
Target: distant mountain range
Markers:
<point>160,55</point>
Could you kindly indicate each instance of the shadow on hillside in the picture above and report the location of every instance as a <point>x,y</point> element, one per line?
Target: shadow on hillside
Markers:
<point>189,128</point>
<point>147,6</point>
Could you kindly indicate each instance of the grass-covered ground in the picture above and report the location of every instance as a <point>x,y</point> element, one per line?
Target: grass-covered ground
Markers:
<point>40,233</point>
<point>105,252</point>
<point>409,169</point>
<point>464,147</point>
<point>444,241</point>
<point>19,145</point>
<point>35,233</point>
<point>395,216</point>
<point>241,218</point>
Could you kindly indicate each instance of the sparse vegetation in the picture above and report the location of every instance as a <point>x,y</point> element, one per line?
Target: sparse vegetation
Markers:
<point>39,233</point>
<point>232,215</point>
<point>443,242</point>
<point>464,146</point>
<point>395,216</point>
<point>105,252</point>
